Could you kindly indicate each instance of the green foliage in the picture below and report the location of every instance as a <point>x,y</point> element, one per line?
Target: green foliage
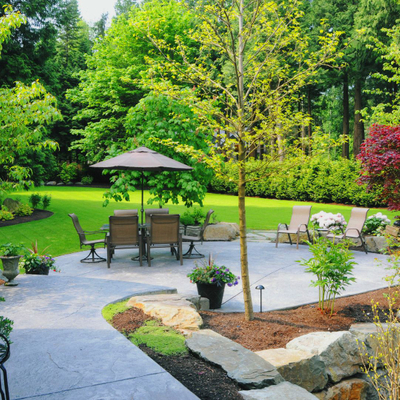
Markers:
<point>304,179</point>
<point>5,215</point>
<point>11,250</point>
<point>46,200</point>
<point>110,310</point>
<point>5,324</point>
<point>209,272</point>
<point>194,216</point>
<point>69,172</point>
<point>87,180</point>
<point>35,199</point>
<point>23,209</point>
<point>162,339</point>
<point>332,267</point>
<point>33,262</point>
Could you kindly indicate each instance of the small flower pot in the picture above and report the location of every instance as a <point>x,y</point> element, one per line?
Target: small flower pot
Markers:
<point>10,269</point>
<point>42,269</point>
<point>212,292</point>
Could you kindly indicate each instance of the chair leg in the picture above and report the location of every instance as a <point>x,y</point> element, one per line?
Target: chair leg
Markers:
<point>92,257</point>
<point>148,254</point>
<point>364,244</point>
<point>290,239</point>
<point>277,237</point>
<point>297,239</point>
<point>180,252</point>
<point>109,255</point>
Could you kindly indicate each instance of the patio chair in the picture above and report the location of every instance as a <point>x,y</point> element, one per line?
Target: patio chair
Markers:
<point>125,213</point>
<point>354,228</point>
<point>298,224</point>
<point>4,356</point>
<point>150,211</point>
<point>196,234</point>
<point>124,234</point>
<point>164,232</point>
<point>92,257</point>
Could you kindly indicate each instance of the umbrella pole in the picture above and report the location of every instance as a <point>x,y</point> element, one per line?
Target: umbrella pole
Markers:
<point>142,209</point>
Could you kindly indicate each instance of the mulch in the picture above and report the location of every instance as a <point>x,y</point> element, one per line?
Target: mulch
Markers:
<point>35,216</point>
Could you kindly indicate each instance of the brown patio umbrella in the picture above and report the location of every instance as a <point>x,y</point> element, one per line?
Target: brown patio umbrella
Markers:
<point>142,159</point>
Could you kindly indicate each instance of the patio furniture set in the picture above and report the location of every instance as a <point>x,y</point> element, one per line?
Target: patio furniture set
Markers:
<point>301,217</point>
<point>159,229</point>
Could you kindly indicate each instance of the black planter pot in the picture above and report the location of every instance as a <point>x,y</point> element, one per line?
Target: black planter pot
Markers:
<point>214,293</point>
<point>396,222</point>
<point>41,270</point>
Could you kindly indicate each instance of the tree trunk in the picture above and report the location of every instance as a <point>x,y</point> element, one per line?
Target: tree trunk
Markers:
<point>248,304</point>
<point>346,116</point>
<point>309,114</point>
<point>358,124</point>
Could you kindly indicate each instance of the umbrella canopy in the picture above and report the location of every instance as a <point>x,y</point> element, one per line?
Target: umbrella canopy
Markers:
<point>142,159</point>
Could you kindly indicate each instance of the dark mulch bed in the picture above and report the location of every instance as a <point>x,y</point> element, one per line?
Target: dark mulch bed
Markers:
<point>268,330</point>
<point>36,215</point>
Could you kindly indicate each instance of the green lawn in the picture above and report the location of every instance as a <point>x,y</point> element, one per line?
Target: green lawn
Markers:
<point>87,203</point>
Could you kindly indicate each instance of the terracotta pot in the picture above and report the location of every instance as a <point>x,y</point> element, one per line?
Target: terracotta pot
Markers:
<point>212,292</point>
<point>10,268</point>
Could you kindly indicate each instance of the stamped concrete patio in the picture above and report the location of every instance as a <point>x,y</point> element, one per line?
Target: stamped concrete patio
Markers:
<point>63,348</point>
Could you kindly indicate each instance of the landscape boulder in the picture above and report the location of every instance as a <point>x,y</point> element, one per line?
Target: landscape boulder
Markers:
<point>173,309</point>
<point>299,367</point>
<point>338,350</point>
<point>282,391</point>
<point>221,231</point>
<point>11,204</point>
<point>242,365</point>
<point>350,389</point>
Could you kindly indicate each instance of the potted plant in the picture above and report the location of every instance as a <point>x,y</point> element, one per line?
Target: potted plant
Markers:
<point>38,264</point>
<point>10,255</point>
<point>211,279</point>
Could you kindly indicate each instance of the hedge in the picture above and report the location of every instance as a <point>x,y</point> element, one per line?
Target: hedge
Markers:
<point>309,179</point>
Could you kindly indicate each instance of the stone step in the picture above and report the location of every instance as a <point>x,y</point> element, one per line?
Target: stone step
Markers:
<point>282,391</point>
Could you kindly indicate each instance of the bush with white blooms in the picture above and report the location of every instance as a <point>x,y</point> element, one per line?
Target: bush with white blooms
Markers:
<point>375,224</point>
<point>324,220</point>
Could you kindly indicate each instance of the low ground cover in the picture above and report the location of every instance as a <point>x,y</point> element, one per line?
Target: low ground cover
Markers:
<point>58,233</point>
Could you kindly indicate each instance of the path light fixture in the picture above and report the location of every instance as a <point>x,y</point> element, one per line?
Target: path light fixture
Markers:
<point>260,288</point>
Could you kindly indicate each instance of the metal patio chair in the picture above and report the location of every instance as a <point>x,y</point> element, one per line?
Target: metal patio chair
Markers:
<point>298,224</point>
<point>354,228</point>
<point>92,257</point>
<point>164,232</point>
<point>195,234</point>
<point>124,233</point>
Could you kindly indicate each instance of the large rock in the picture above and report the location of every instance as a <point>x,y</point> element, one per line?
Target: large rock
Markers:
<point>282,391</point>
<point>221,231</point>
<point>338,350</point>
<point>298,367</point>
<point>351,389</point>
<point>11,204</point>
<point>243,366</point>
<point>173,309</point>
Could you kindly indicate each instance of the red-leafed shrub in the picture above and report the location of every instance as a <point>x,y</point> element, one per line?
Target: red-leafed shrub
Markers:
<point>380,159</point>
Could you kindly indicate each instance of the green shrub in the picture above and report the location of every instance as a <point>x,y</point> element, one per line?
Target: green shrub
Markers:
<point>69,172</point>
<point>5,215</point>
<point>87,180</point>
<point>194,216</point>
<point>35,199</point>
<point>5,325</point>
<point>46,199</point>
<point>309,179</point>
<point>23,210</point>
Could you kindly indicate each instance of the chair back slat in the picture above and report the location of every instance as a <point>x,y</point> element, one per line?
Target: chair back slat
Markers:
<point>125,213</point>
<point>357,219</point>
<point>206,222</point>
<point>300,215</point>
<point>164,229</point>
<point>124,230</point>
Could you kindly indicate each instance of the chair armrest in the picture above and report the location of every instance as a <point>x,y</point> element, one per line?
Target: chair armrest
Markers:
<point>279,226</point>
<point>94,232</point>
<point>352,229</point>
<point>305,226</point>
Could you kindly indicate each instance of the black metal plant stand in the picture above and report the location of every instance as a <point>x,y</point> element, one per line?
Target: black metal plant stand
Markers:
<point>4,356</point>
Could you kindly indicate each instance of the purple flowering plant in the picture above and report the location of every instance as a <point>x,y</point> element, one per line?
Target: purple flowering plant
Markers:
<point>209,272</point>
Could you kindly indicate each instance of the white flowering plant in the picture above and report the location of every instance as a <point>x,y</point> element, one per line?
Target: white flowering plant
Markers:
<point>324,220</point>
<point>375,224</point>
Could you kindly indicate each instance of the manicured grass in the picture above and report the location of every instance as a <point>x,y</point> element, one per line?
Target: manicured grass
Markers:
<point>58,233</point>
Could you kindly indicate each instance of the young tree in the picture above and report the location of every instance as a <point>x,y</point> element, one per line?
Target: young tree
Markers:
<point>253,59</point>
